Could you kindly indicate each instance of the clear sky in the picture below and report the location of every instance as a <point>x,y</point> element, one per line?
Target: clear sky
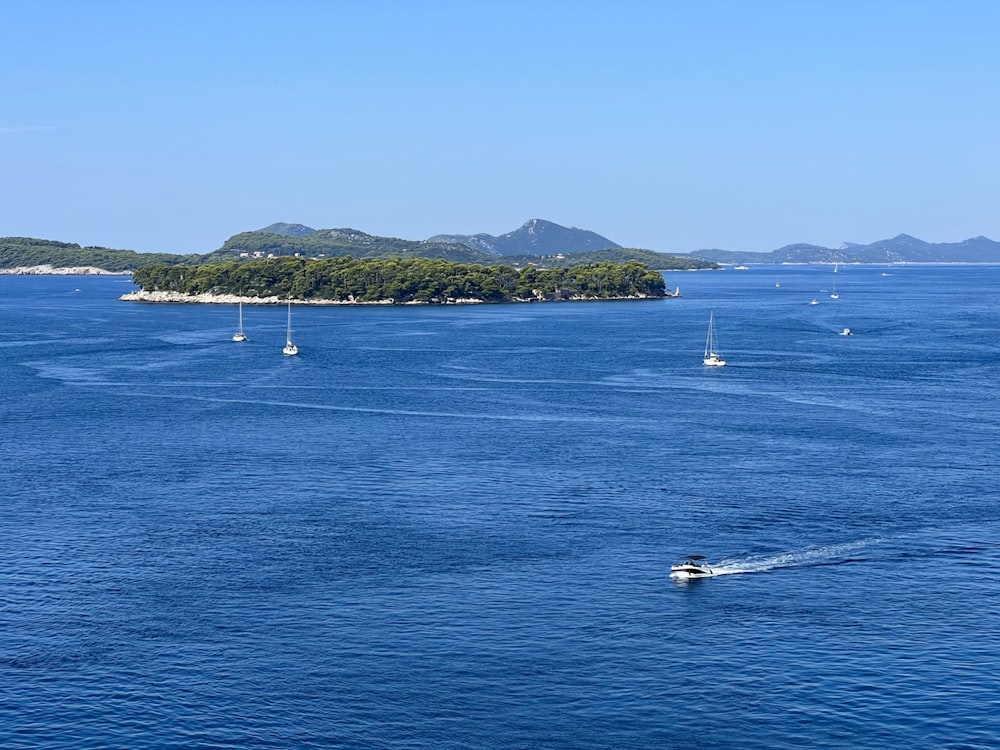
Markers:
<point>673,126</point>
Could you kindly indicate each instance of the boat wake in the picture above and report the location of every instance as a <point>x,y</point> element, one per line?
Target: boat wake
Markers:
<point>834,554</point>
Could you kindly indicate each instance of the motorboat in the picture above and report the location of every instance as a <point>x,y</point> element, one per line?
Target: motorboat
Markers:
<point>692,566</point>
<point>847,332</point>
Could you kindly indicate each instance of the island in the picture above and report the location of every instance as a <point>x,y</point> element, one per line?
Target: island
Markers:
<point>347,280</point>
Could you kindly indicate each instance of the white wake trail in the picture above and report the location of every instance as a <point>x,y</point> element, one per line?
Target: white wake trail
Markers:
<point>831,554</point>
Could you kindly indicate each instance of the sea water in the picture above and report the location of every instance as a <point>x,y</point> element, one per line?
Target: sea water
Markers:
<point>451,527</point>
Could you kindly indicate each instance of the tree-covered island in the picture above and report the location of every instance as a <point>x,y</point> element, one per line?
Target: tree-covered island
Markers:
<point>393,280</point>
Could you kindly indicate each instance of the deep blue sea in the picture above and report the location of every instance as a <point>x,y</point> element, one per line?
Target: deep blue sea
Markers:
<point>452,527</point>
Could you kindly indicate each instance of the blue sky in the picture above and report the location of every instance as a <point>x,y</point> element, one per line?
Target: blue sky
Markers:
<point>671,126</point>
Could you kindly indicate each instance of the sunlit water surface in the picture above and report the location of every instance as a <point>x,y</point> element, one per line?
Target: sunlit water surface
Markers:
<point>452,527</point>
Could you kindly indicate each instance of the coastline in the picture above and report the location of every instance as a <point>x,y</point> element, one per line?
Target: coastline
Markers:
<point>49,270</point>
<point>233,299</point>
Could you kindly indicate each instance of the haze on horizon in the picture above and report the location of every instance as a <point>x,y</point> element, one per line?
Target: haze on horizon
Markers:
<point>668,126</point>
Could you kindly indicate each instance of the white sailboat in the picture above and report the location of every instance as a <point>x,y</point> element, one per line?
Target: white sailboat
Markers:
<point>712,357</point>
<point>239,335</point>
<point>290,348</point>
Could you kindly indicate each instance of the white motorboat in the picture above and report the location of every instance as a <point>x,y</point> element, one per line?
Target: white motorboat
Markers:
<point>692,566</point>
<point>847,332</point>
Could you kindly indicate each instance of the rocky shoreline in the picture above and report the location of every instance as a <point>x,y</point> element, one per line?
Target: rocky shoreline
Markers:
<point>48,270</point>
<point>232,299</point>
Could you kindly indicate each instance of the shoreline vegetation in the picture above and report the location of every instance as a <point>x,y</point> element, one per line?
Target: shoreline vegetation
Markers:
<point>349,281</point>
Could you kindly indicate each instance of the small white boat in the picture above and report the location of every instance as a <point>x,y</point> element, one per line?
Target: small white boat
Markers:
<point>741,268</point>
<point>814,302</point>
<point>290,349</point>
<point>712,357</point>
<point>239,335</point>
<point>847,332</point>
<point>692,566</point>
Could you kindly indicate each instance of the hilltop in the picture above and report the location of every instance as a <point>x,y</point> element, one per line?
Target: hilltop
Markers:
<point>534,237</point>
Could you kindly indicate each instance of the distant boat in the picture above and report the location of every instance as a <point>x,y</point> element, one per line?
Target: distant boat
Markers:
<point>712,357</point>
<point>741,268</point>
<point>692,566</point>
<point>239,335</point>
<point>847,332</point>
<point>777,284</point>
<point>833,293</point>
<point>814,302</point>
<point>290,348</point>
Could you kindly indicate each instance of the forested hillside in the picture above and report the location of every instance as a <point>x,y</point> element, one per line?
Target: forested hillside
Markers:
<point>347,279</point>
<point>17,252</point>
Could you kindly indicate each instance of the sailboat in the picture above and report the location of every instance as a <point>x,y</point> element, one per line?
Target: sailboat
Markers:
<point>290,348</point>
<point>712,357</point>
<point>239,335</point>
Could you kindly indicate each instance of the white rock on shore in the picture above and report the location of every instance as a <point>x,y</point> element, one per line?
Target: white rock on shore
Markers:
<point>232,299</point>
<point>47,270</point>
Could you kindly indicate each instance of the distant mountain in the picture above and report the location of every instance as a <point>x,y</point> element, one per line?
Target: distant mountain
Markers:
<point>289,230</point>
<point>534,237</point>
<point>339,242</point>
<point>900,249</point>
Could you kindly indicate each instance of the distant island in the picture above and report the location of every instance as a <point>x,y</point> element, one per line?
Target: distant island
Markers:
<point>900,249</point>
<point>348,280</point>
<point>537,244</point>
